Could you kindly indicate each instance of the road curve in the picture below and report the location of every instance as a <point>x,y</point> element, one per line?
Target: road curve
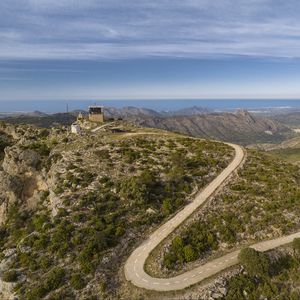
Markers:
<point>134,266</point>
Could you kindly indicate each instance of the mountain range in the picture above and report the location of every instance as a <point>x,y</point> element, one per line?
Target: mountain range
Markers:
<point>240,126</point>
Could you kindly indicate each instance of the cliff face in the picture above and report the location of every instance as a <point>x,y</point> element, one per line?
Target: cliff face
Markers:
<point>21,178</point>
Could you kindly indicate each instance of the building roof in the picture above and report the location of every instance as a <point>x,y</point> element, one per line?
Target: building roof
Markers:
<point>96,106</point>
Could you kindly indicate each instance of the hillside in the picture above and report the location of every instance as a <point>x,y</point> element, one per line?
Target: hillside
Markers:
<point>72,208</point>
<point>42,120</point>
<point>288,150</point>
<point>261,203</point>
<point>240,127</point>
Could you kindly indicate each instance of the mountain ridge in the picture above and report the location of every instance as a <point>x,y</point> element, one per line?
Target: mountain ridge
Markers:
<point>241,126</point>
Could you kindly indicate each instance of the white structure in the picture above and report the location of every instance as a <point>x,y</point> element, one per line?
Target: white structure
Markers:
<point>75,128</point>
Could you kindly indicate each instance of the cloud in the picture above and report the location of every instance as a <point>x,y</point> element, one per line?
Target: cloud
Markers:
<point>115,29</point>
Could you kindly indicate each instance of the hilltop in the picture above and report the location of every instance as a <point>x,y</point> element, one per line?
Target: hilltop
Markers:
<point>72,207</point>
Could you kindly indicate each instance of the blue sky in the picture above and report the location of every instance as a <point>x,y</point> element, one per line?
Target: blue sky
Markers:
<point>125,49</point>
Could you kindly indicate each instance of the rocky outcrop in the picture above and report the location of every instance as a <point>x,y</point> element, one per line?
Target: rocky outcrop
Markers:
<point>20,162</point>
<point>7,288</point>
<point>20,179</point>
<point>10,191</point>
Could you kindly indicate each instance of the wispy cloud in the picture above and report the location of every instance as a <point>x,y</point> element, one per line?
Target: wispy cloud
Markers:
<point>115,29</point>
<point>13,79</point>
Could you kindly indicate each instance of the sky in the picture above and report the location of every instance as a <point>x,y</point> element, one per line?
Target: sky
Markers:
<point>142,49</point>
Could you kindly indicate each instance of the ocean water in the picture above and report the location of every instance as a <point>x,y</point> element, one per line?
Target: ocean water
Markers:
<point>159,105</point>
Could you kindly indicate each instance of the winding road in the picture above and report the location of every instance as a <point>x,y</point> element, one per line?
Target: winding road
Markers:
<point>134,266</point>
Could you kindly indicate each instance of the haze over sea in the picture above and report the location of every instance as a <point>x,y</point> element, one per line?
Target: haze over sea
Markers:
<point>159,105</point>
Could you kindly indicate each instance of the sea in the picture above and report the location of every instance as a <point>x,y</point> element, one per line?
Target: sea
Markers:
<point>54,106</point>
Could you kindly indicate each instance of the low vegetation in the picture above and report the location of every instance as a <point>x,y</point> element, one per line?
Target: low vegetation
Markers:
<point>267,276</point>
<point>290,154</point>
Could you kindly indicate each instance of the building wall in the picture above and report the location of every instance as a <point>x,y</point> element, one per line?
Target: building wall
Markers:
<point>99,118</point>
<point>75,129</point>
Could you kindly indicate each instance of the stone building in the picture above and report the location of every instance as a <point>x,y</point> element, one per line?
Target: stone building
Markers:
<point>96,114</point>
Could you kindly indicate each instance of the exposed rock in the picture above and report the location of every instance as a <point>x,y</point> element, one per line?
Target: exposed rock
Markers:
<point>10,191</point>
<point>20,179</point>
<point>7,288</point>
<point>19,162</point>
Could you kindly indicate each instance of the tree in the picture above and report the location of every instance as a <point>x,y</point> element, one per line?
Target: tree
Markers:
<point>189,253</point>
<point>166,207</point>
<point>177,243</point>
<point>255,263</point>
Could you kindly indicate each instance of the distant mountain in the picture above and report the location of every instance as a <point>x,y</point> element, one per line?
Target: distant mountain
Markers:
<point>190,111</point>
<point>291,119</point>
<point>241,127</point>
<point>43,120</point>
<point>47,120</point>
<point>128,111</point>
<point>273,111</point>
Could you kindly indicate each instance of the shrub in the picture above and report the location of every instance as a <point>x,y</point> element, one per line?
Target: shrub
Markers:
<point>296,245</point>
<point>54,279</point>
<point>77,281</point>
<point>189,253</point>
<point>256,263</point>
<point>10,276</point>
<point>40,148</point>
<point>237,286</point>
<point>39,221</point>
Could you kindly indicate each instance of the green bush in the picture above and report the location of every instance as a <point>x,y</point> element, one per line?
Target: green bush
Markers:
<point>54,279</point>
<point>189,253</point>
<point>77,281</point>
<point>256,263</point>
<point>239,287</point>
<point>40,148</point>
<point>296,245</point>
<point>10,276</point>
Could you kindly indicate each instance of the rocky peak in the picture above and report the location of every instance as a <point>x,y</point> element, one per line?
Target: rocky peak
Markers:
<point>242,112</point>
